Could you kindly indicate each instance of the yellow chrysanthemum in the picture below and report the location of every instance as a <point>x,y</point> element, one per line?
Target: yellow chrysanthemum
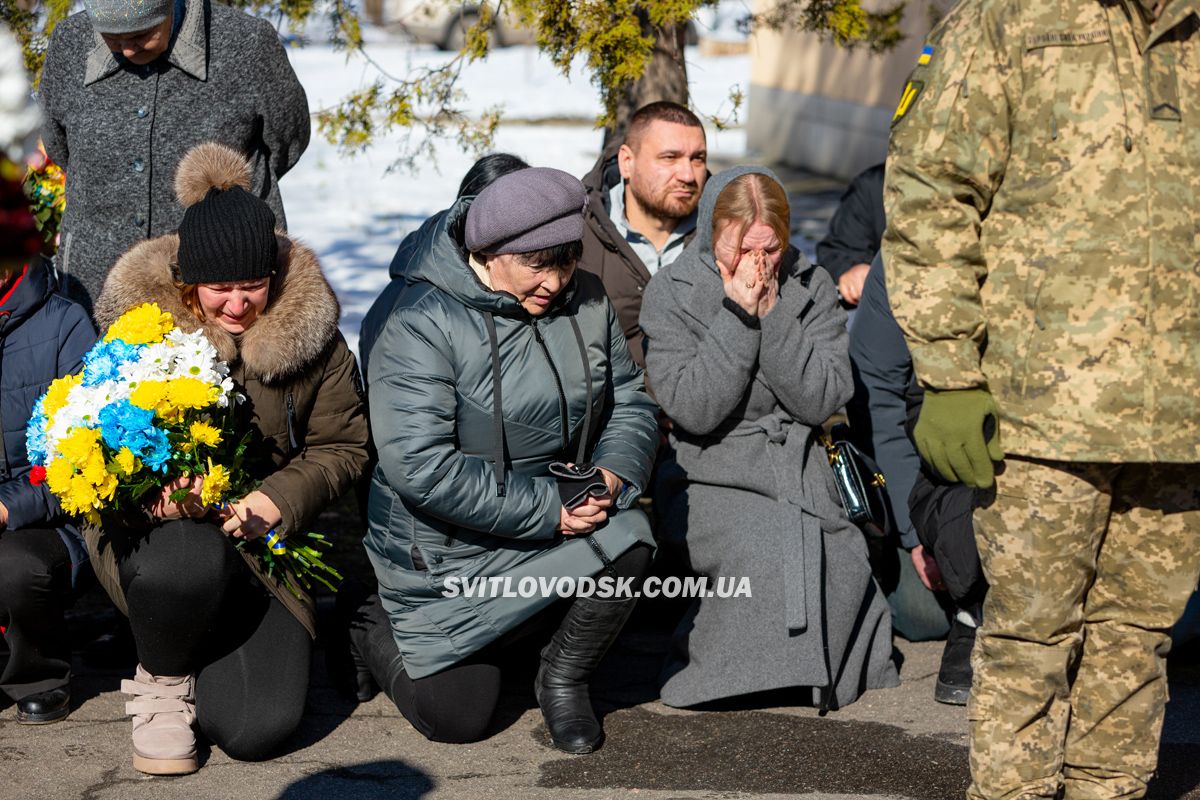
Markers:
<point>80,445</point>
<point>80,477</point>
<point>107,487</point>
<point>126,462</point>
<point>81,495</point>
<point>145,324</point>
<point>58,476</point>
<point>191,393</point>
<point>149,395</point>
<point>94,469</point>
<point>216,484</point>
<point>203,433</point>
<point>56,395</point>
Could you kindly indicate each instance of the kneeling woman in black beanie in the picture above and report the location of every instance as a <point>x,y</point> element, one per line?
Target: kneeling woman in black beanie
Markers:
<point>220,643</point>
<point>497,360</point>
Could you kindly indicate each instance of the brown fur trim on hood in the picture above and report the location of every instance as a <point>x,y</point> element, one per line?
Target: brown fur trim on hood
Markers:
<point>209,166</point>
<point>297,325</point>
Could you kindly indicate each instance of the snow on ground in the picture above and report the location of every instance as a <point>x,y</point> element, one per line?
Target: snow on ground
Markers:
<point>354,212</point>
<point>522,81</point>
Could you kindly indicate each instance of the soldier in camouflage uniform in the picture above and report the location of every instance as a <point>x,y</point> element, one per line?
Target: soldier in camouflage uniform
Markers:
<point>1042,250</point>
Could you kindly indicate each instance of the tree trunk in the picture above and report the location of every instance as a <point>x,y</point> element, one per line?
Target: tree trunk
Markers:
<point>665,79</point>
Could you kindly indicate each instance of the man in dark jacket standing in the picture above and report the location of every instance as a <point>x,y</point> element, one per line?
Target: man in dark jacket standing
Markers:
<point>855,232</point>
<point>641,210</point>
<point>129,87</point>
<point>935,586</point>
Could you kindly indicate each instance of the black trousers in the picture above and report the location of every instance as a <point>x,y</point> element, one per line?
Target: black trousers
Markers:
<point>456,704</point>
<point>194,607</point>
<point>35,590</point>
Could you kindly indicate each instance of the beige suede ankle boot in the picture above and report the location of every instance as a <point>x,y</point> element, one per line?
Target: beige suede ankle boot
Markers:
<point>163,713</point>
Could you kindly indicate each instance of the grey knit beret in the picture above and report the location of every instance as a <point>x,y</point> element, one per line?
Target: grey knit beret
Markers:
<point>525,211</point>
<point>127,16</point>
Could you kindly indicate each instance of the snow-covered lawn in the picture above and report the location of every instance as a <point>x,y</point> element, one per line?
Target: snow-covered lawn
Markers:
<point>354,212</point>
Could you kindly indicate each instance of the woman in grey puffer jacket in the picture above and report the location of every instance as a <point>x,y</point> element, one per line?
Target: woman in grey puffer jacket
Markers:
<point>747,353</point>
<point>498,359</point>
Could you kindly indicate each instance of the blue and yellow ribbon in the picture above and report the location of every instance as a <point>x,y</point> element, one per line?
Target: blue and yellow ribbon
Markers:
<point>275,542</point>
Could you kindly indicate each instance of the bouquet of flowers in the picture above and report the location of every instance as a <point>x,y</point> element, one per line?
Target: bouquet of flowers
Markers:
<point>153,404</point>
<point>46,189</point>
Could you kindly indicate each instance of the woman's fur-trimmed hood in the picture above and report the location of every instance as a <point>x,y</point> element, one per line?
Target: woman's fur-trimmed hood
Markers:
<point>299,321</point>
<point>295,328</point>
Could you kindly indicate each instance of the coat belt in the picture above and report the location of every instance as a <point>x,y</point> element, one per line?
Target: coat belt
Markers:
<point>787,461</point>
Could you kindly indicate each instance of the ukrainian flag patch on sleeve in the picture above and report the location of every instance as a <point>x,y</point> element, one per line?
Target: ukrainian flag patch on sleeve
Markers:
<point>926,55</point>
<point>912,90</point>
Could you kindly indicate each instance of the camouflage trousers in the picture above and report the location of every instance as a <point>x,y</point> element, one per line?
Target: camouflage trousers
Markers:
<point>1089,566</point>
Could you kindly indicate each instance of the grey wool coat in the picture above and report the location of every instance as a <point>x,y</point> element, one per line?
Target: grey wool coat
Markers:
<point>436,510</point>
<point>119,130</point>
<point>758,499</point>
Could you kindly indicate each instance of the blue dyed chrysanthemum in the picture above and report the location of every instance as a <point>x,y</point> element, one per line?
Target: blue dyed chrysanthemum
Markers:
<point>35,435</point>
<point>122,424</point>
<point>103,362</point>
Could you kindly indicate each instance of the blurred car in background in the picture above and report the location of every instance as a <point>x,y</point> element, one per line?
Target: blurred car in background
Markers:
<point>443,23</point>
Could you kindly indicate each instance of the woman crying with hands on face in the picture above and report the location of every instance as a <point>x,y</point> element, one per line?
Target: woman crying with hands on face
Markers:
<point>746,348</point>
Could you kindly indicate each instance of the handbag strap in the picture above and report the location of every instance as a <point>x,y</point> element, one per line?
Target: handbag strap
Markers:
<point>497,408</point>
<point>581,458</point>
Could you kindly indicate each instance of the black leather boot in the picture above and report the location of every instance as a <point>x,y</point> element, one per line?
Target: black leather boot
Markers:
<point>574,652</point>
<point>954,677</point>
<point>359,620</point>
<point>376,660</point>
<point>44,707</point>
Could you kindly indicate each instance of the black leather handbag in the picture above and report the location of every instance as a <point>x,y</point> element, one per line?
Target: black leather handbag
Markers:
<point>860,483</point>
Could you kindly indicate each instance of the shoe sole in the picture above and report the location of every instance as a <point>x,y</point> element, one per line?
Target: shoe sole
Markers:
<point>165,766</point>
<point>951,695</point>
<point>42,719</point>
<point>575,751</point>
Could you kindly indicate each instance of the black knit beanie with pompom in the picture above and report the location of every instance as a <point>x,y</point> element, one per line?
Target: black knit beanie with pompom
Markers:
<point>228,236</point>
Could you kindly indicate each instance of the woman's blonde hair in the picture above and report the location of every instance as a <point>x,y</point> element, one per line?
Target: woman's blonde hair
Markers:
<point>188,295</point>
<point>751,198</point>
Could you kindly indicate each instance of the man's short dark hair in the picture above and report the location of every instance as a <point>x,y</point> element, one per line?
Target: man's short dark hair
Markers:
<point>662,111</point>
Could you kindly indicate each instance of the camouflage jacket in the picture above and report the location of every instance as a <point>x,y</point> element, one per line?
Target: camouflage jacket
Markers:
<point>1044,222</point>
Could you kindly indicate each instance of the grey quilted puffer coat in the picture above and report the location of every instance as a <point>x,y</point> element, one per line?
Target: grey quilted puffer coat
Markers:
<point>439,507</point>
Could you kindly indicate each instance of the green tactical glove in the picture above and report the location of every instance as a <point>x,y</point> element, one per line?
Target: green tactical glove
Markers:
<point>951,437</point>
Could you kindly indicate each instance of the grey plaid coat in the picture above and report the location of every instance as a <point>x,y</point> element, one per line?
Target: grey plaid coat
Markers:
<point>119,130</point>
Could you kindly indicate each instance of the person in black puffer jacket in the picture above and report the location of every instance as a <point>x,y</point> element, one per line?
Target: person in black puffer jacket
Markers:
<point>43,336</point>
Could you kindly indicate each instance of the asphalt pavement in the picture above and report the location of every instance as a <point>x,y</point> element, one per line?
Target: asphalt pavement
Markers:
<point>894,743</point>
